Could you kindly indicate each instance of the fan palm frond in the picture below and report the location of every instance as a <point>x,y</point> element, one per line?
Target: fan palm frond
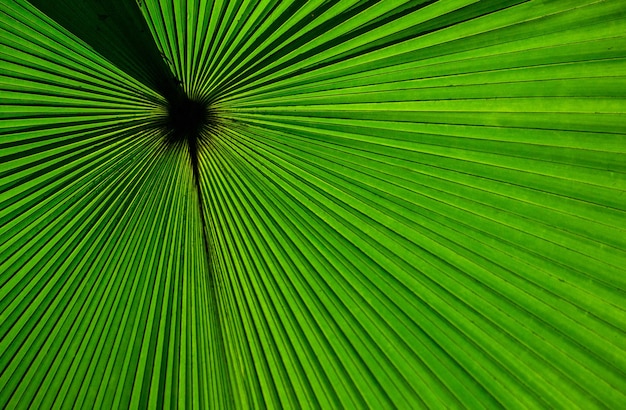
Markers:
<point>354,204</point>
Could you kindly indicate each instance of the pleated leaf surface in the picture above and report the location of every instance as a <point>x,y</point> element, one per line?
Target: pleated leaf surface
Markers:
<point>400,204</point>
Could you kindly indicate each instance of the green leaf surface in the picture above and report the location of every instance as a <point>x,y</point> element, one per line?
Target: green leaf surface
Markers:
<point>389,204</point>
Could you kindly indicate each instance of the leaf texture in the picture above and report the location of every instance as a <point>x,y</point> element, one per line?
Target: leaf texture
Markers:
<point>401,204</point>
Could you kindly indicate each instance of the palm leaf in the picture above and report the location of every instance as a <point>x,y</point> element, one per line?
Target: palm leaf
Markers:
<point>389,204</point>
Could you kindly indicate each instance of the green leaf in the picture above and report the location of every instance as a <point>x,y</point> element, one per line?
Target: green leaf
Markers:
<point>322,204</point>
